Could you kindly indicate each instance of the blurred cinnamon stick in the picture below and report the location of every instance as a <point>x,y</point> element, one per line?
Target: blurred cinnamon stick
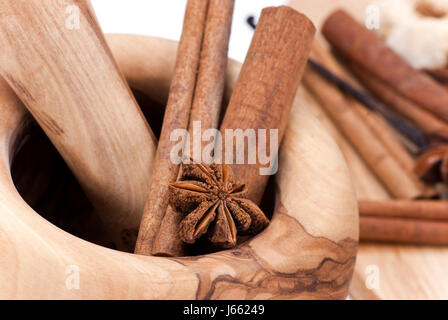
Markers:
<point>432,125</point>
<point>383,132</point>
<point>421,210</point>
<point>375,122</point>
<point>361,46</point>
<point>389,139</point>
<point>406,231</point>
<point>352,124</point>
<point>176,117</point>
<point>400,124</point>
<point>440,74</point>
<point>206,108</point>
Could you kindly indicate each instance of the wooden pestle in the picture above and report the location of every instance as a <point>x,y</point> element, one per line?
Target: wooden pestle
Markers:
<point>65,75</point>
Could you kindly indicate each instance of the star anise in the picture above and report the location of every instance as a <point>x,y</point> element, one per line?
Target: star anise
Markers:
<point>214,205</point>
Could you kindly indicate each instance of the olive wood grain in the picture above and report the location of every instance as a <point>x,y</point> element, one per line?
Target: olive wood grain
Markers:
<point>70,83</point>
<point>307,252</point>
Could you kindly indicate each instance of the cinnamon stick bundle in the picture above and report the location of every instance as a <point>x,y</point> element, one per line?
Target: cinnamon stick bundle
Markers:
<point>262,99</point>
<point>432,125</point>
<point>389,139</point>
<point>400,182</point>
<point>176,117</point>
<point>267,84</point>
<point>402,221</point>
<point>206,108</point>
<point>361,46</point>
<point>375,122</point>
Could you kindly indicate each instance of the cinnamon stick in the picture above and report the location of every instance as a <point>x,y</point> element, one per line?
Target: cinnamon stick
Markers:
<point>351,123</point>
<point>176,117</point>
<point>385,134</point>
<point>267,85</point>
<point>406,231</point>
<point>206,108</point>
<point>356,43</point>
<point>420,210</point>
<point>432,125</point>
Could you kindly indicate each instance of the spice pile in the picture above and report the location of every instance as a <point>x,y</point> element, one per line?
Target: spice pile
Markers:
<point>399,128</point>
<point>197,199</point>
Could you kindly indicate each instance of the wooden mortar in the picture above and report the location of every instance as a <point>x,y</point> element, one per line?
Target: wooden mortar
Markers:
<point>307,252</point>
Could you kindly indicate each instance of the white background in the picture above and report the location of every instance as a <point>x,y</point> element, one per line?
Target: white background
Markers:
<point>164,18</point>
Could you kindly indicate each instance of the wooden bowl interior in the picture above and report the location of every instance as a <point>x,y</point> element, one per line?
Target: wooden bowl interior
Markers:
<point>47,185</point>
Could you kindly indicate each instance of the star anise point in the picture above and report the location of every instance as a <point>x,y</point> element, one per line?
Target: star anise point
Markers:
<point>214,205</point>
